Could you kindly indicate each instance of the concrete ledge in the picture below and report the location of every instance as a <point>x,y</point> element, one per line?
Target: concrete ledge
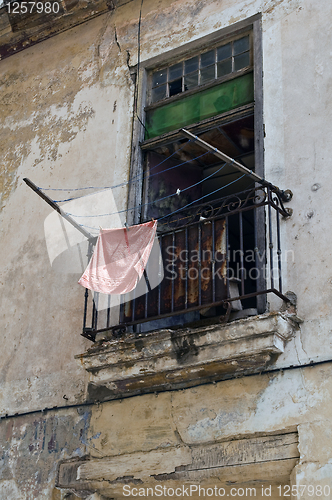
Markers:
<point>166,359</point>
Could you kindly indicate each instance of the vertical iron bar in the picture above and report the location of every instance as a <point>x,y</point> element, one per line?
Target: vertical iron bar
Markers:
<point>261,252</point>
<point>186,267</point>
<point>86,294</point>
<point>122,308</point>
<point>256,249</point>
<point>241,252</point>
<point>199,264</point>
<point>279,250</point>
<point>147,282</point>
<point>93,314</point>
<point>86,297</point>
<point>96,310</point>
<point>172,281</point>
<point>227,257</point>
<point>213,262</point>
<point>93,318</point>
<point>270,238</point>
<point>133,305</point>
<point>108,311</point>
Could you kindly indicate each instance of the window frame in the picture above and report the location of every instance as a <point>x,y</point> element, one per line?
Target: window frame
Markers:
<point>136,190</point>
<point>142,74</point>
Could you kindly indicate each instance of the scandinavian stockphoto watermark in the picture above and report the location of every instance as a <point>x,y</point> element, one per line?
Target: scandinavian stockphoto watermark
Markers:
<point>234,264</point>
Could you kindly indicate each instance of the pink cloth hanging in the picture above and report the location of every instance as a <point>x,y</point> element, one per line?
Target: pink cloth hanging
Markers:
<point>119,259</point>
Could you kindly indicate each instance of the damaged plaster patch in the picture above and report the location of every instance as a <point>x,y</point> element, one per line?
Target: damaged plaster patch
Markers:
<point>296,398</point>
<point>216,424</point>
<point>285,6</point>
<point>41,108</point>
<point>137,465</point>
<point>34,445</point>
<point>50,128</point>
<point>10,491</point>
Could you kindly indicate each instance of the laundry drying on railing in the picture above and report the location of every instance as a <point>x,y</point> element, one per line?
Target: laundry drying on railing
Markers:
<point>119,259</point>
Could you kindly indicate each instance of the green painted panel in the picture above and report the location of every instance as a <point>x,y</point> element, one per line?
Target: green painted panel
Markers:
<point>194,108</point>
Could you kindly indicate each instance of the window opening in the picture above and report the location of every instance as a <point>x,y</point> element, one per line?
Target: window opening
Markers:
<point>236,139</point>
<point>214,87</point>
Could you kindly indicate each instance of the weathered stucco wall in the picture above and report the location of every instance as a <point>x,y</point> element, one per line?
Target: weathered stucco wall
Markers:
<point>297,399</point>
<point>66,122</point>
<point>66,108</point>
<point>293,401</point>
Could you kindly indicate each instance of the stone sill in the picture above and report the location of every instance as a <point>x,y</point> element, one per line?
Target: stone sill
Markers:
<point>166,360</point>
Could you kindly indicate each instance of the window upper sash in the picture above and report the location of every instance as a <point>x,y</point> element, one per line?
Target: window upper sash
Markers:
<point>199,106</point>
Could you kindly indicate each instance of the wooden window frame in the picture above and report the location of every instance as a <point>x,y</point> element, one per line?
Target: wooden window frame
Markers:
<point>136,189</point>
<point>253,24</point>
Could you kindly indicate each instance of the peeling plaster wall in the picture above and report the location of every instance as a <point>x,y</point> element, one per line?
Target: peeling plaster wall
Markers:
<point>65,122</point>
<point>66,109</point>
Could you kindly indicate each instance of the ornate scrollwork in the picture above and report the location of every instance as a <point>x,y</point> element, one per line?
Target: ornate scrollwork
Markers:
<point>234,203</point>
<point>259,196</point>
<point>277,203</point>
<point>207,211</point>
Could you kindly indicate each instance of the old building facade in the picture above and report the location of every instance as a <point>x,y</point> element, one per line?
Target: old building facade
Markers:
<point>215,375</point>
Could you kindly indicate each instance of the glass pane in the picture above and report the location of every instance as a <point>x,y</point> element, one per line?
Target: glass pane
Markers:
<point>224,52</point>
<point>191,81</point>
<point>158,93</point>
<point>241,45</point>
<point>175,71</point>
<point>175,87</point>
<point>191,65</point>
<point>241,61</point>
<point>207,58</point>
<point>224,68</point>
<point>207,74</point>
<point>159,77</point>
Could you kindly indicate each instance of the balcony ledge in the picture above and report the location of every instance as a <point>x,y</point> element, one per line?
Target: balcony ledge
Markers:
<point>166,359</point>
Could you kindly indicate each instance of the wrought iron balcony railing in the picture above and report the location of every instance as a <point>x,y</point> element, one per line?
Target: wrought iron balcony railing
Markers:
<point>209,261</point>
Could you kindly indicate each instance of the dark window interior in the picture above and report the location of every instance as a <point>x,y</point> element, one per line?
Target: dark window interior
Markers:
<point>189,164</point>
<point>179,164</point>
